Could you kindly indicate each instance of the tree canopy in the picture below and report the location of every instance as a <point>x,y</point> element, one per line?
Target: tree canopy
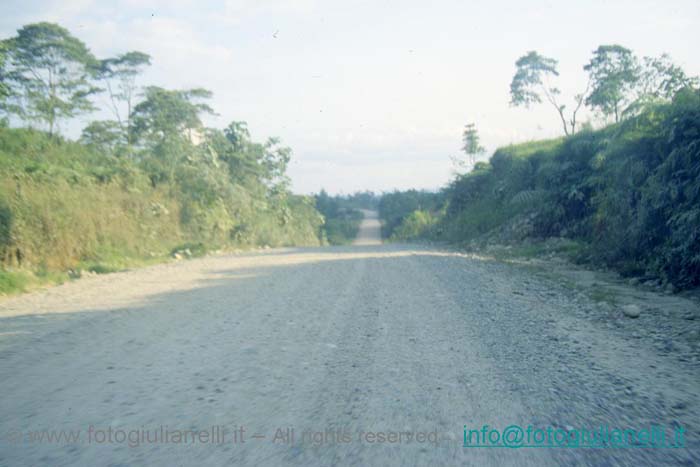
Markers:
<point>49,72</point>
<point>119,75</point>
<point>618,83</point>
<point>531,85</point>
<point>165,113</point>
<point>614,71</point>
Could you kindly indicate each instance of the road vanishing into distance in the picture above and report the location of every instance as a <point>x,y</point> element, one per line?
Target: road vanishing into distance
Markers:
<point>366,355</point>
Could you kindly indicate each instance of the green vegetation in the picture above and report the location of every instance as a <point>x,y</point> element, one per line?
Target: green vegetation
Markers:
<point>628,195</point>
<point>471,147</point>
<point>152,184</point>
<point>12,281</point>
<point>49,74</point>
<point>65,206</point>
<point>415,225</point>
<point>155,182</point>
<point>395,208</point>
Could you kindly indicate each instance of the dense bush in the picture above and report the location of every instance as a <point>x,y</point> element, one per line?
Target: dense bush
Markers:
<point>396,206</point>
<point>416,225</point>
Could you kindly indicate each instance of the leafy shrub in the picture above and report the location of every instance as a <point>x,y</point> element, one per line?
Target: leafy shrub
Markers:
<point>395,207</point>
<point>414,226</point>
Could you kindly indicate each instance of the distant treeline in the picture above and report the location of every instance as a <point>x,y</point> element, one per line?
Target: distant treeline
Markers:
<point>342,214</point>
<point>627,194</point>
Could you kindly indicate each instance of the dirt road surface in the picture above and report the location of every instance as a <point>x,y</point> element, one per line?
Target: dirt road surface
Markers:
<point>341,345</point>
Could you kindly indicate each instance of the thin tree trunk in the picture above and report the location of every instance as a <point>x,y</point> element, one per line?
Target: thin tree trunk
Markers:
<point>563,122</point>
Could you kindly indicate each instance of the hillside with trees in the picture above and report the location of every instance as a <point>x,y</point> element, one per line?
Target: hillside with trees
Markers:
<point>150,183</point>
<point>624,196</point>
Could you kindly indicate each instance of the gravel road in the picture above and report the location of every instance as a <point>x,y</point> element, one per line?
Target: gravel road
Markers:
<point>342,345</point>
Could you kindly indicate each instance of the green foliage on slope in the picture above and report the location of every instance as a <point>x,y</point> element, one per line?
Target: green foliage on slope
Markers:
<point>630,192</point>
<point>66,207</point>
<point>153,182</point>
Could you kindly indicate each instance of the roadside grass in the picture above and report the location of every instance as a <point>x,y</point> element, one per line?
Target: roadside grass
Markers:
<point>108,260</point>
<point>14,282</point>
<point>21,280</point>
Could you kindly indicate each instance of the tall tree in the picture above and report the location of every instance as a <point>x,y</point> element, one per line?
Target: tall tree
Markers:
<point>119,75</point>
<point>614,74</point>
<point>531,84</point>
<point>275,159</point>
<point>166,113</point>
<point>471,147</point>
<point>50,72</point>
<point>659,80</point>
<point>252,163</point>
<point>472,142</point>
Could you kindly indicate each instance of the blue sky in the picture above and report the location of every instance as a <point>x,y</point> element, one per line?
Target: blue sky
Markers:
<point>369,94</point>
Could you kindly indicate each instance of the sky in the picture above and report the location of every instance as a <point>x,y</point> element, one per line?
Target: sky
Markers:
<point>370,95</point>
